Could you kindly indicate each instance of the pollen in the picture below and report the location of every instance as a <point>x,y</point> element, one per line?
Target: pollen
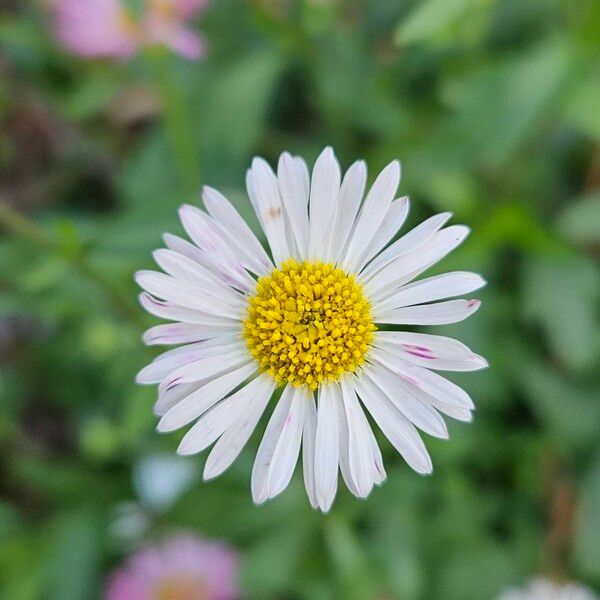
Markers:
<point>308,323</point>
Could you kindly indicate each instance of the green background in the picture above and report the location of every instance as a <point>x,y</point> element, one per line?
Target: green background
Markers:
<point>492,108</point>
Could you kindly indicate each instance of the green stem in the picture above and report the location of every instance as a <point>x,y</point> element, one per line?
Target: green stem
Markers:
<point>28,230</point>
<point>178,122</point>
<point>348,559</point>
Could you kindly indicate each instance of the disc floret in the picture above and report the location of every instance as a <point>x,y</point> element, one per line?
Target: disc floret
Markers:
<point>307,323</point>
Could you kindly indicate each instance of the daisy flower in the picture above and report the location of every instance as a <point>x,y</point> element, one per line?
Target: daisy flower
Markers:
<point>108,28</point>
<point>184,567</point>
<point>315,324</point>
<point>544,589</point>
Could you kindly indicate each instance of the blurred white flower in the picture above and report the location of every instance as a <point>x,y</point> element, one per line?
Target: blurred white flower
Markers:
<point>544,589</point>
<point>306,319</point>
<point>160,480</point>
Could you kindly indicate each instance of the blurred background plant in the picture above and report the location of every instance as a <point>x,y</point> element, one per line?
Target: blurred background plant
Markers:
<point>492,107</point>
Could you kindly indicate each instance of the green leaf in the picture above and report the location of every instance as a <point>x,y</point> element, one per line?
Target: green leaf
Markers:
<point>587,536</point>
<point>433,17</point>
<point>582,106</point>
<point>562,296</point>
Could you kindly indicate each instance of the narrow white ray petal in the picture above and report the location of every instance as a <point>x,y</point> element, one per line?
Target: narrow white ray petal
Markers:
<point>173,312</point>
<point>294,194</point>
<point>169,398</point>
<point>326,447</point>
<point>433,288</point>
<point>308,449</point>
<point>394,425</point>
<point>439,313</point>
<point>302,170</point>
<point>433,384</point>
<point>213,423</point>
<point>460,414</point>
<point>201,229</point>
<point>163,365</point>
<point>410,400</point>
<point>199,401</point>
<point>182,293</point>
<point>391,224</point>
<point>344,442</point>
<point>210,262</point>
<point>231,443</point>
<point>351,193</point>
<point>285,455</point>
<point>361,461</point>
<point>238,234</point>
<point>187,269</point>
<point>183,333</point>
<point>208,366</point>
<point>430,351</point>
<point>263,191</point>
<point>411,240</point>
<point>379,474</point>
<point>372,213</point>
<point>411,264</point>
<point>324,197</point>
<point>262,462</point>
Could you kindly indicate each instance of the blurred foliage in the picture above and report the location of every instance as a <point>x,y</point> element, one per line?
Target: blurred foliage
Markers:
<point>492,107</point>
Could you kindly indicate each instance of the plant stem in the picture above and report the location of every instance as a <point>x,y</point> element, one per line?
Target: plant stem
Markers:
<point>177,120</point>
<point>26,229</point>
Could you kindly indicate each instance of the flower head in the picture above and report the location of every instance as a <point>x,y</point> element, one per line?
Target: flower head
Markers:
<point>108,28</point>
<point>544,589</point>
<point>182,568</point>
<point>314,324</point>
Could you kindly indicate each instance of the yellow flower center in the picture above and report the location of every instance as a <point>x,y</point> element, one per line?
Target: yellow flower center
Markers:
<point>308,323</point>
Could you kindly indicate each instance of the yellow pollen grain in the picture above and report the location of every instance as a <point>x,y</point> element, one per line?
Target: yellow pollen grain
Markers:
<point>308,323</point>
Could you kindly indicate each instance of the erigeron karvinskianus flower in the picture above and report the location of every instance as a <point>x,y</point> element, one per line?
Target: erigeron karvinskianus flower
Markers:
<point>184,567</point>
<point>109,28</point>
<point>544,589</point>
<point>314,324</point>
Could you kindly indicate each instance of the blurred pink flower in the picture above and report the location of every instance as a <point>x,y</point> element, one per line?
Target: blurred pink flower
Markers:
<point>107,28</point>
<point>185,567</point>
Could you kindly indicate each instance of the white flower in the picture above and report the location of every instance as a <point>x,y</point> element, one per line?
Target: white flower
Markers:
<point>543,589</point>
<point>306,320</point>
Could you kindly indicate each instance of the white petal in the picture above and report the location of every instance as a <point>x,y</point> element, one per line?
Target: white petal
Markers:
<point>351,193</point>
<point>411,240</point>
<point>230,444</point>
<point>167,399</point>
<point>183,333</point>
<point>409,265</point>
<point>203,398</point>
<point>182,293</point>
<point>372,213</point>
<point>262,462</point>
<point>433,288</point>
<point>230,357</point>
<point>294,194</point>
<point>395,426</point>
<point>285,455</point>
<point>308,450</point>
<point>217,254</point>
<point>410,400</point>
<point>324,197</point>
<point>392,222</point>
<point>187,269</point>
<point>167,362</point>
<point>344,442</point>
<point>430,351</point>
<point>236,231</point>
<point>172,312</point>
<point>326,447</point>
<point>379,474</point>
<point>439,313</point>
<point>444,391</point>
<point>263,191</point>
<point>211,425</point>
<point>361,461</point>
